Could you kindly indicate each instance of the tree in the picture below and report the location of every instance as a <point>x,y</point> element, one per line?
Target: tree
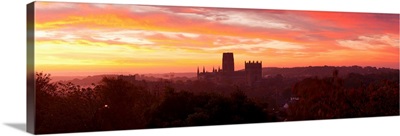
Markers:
<point>358,96</point>
<point>123,105</point>
<point>188,109</point>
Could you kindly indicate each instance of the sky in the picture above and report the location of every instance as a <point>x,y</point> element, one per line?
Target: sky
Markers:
<point>89,39</point>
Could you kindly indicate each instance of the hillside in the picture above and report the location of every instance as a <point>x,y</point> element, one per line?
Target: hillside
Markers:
<point>320,71</point>
<point>323,71</point>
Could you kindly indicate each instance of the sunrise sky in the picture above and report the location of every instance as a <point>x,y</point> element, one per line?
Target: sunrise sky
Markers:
<point>89,39</point>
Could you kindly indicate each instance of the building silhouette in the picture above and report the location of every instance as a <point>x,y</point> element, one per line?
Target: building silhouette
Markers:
<point>250,75</point>
<point>228,63</point>
<point>253,71</point>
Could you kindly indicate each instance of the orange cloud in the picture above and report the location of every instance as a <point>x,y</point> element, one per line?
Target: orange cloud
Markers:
<point>123,38</point>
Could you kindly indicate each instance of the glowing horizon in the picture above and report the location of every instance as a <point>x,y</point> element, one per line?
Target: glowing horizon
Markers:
<point>85,39</point>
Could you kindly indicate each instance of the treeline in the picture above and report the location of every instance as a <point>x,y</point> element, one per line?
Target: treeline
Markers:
<point>115,103</point>
<point>354,96</point>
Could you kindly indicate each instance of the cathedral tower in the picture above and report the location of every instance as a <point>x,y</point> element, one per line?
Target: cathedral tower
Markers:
<point>253,71</point>
<point>228,65</point>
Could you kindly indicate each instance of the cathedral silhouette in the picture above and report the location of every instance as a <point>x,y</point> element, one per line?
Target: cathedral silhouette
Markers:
<point>250,75</point>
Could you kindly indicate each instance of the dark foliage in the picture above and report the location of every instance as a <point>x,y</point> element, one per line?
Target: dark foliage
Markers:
<point>187,109</point>
<point>355,96</point>
<point>118,104</point>
<point>115,103</point>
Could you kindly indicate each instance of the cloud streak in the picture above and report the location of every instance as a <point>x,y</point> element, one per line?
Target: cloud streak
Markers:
<point>156,34</point>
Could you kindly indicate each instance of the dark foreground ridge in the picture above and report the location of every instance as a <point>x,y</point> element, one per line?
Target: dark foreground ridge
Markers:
<point>126,102</point>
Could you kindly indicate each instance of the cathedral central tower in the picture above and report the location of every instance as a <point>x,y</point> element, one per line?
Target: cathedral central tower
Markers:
<point>228,65</point>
